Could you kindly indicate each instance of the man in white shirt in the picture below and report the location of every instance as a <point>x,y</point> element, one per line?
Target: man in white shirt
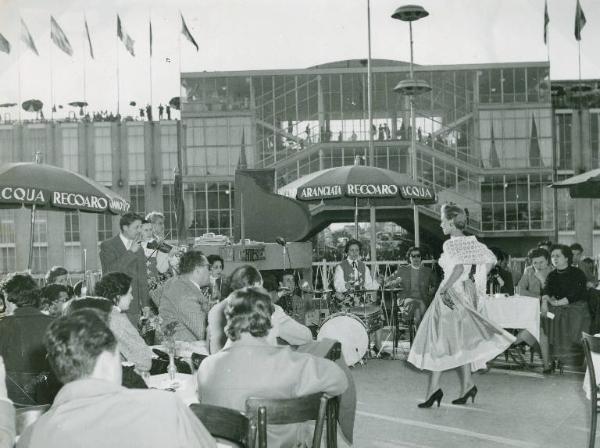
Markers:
<point>354,275</point>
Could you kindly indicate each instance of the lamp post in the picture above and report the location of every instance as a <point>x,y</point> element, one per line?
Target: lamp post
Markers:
<point>411,87</point>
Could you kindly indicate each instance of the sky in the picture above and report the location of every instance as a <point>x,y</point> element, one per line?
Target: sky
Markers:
<point>268,34</point>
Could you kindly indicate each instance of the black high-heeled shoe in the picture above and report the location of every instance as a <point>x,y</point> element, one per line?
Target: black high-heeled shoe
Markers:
<point>436,396</point>
<point>470,393</point>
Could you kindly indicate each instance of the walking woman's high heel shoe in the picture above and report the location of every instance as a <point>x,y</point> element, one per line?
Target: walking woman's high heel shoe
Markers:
<point>436,396</point>
<point>470,393</point>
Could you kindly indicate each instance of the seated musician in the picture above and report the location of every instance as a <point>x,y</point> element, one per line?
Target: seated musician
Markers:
<point>250,366</point>
<point>352,278</point>
<point>418,284</point>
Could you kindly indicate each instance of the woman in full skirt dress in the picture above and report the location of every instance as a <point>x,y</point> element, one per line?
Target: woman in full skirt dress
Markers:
<point>453,334</point>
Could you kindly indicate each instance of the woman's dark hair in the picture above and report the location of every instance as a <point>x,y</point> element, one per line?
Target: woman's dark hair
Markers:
<point>21,289</point>
<point>212,258</point>
<point>112,286</point>
<point>54,272</point>
<point>456,214</point>
<point>565,250</point>
<point>75,342</point>
<point>249,311</point>
<point>270,282</point>
<point>546,243</point>
<point>244,276</point>
<point>352,242</point>
<point>50,294</point>
<point>538,252</point>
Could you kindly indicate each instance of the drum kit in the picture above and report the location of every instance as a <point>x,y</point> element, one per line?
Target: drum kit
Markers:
<point>351,318</point>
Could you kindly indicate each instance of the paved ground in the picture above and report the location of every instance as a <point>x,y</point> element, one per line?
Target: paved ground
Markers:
<point>512,409</point>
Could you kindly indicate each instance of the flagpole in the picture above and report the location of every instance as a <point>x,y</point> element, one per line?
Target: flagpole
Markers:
<point>19,54</point>
<point>84,53</point>
<point>553,145</point>
<point>150,53</point>
<point>51,78</point>
<point>118,83</point>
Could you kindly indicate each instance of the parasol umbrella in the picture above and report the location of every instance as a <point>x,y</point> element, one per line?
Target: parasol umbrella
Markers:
<point>585,185</point>
<point>80,105</point>
<point>8,104</point>
<point>48,187</point>
<point>356,184</point>
<point>175,102</point>
<point>32,105</point>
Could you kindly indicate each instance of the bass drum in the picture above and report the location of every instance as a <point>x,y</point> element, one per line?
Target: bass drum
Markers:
<point>350,331</point>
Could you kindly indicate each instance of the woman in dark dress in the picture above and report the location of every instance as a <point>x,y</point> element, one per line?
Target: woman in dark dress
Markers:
<point>565,296</point>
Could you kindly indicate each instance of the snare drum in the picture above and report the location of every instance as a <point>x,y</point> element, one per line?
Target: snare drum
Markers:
<point>371,316</point>
<point>350,331</point>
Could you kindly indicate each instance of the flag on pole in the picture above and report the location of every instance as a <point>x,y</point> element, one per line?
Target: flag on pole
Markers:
<point>493,159</point>
<point>535,154</point>
<point>242,161</point>
<point>579,21</point>
<point>546,22</point>
<point>59,37</point>
<point>87,32</point>
<point>26,37</point>
<point>125,38</point>
<point>4,44</point>
<point>186,32</point>
<point>150,38</point>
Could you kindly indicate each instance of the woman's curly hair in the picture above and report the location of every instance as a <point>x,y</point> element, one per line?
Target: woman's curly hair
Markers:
<point>249,311</point>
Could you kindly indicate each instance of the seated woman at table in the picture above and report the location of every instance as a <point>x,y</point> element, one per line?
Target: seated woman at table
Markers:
<point>283,326</point>
<point>252,367</point>
<point>531,284</point>
<point>116,287</point>
<point>565,295</point>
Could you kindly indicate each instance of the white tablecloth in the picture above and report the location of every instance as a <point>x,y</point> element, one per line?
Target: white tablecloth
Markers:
<point>519,312</point>
<point>185,385</point>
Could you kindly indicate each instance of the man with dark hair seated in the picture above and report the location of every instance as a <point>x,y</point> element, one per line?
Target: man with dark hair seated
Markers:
<point>250,366</point>
<point>92,410</point>
<point>21,342</point>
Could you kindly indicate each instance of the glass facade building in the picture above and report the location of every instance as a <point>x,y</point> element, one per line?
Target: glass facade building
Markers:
<point>484,132</point>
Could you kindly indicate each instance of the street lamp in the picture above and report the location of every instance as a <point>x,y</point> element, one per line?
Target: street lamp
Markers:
<point>411,87</point>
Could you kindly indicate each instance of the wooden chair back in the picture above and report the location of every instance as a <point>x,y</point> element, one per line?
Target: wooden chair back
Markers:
<point>265,411</point>
<point>225,423</point>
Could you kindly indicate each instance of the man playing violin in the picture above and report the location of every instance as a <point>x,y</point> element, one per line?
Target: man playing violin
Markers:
<point>354,284</point>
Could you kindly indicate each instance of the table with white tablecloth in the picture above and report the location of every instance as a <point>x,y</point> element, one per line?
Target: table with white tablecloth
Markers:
<point>518,312</point>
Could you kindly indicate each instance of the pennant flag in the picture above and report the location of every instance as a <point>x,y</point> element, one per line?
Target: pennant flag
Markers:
<point>87,32</point>
<point>26,37</point>
<point>242,162</point>
<point>579,21</point>
<point>186,32</point>
<point>535,155</point>
<point>150,38</point>
<point>4,44</point>
<point>494,160</point>
<point>59,37</point>
<point>546,22</point>
<point>125,38</point>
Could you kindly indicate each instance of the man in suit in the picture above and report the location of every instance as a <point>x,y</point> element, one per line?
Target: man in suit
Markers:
<point>123,253</point>
<point>250,366</point>
<point>183,300</point>
<point>418,283</point>
<point>93,410</point>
